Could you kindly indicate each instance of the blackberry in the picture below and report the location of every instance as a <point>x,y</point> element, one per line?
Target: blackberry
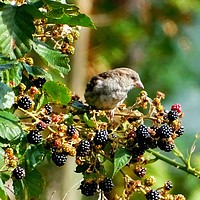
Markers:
<point>180,131</point>
<point>106,185</point>
<point>166,145</point>
<point>39,82</point>
<point>101,137</point>
<point>172,115</point>
<point>48,109</point>
<point>88,188</point>
<point>24,102</point>
<point>34,137</point>
<point>71,130</point>
<point>59,158</point>
<point>41,126</point>
<point>83,148</point>
<point>147,143</point>
<point>168,185</point>
<point>140,171</point>
<point>165,131</point>
<point>142,132</point>
<point>152,195</point>
<point>136,151</point>
<point>47,120</point>
<point>19,172</point>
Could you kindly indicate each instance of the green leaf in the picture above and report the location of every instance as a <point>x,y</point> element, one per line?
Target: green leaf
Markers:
<point>6,63</point>
<point>30,187</point>
<point>90,122</point>
<point>58,92</point>
<point>16,27</point>
<point>12,76</point>
<point>9,128</point>
<point>121,158</point>
<point>34,70</point>
<point>34,156</point>
<point>68,118</point>
<point>1,158</point>
<point>55,13</point>
<point>3,195</point>
<point>6,97</point>
<point>71,20</point>
<point>54,58</point>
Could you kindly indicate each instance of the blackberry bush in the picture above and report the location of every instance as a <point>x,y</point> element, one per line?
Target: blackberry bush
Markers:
<point>19,172</point>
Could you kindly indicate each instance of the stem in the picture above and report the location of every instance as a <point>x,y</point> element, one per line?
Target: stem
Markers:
<point>28,114</point>
<point>176,164</point>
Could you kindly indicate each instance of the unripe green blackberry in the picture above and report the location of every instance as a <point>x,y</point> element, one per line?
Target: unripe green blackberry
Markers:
<point>149,181</point>
<point>24,102</point>
<point>152,195</point>
<point>166,144</point>
<point>59,158</point>
<point>83,148</point>
<point>48,109</point>
<point>168,185</point>
<point>106,185</point>
<point>19,172</point>
<point>142,132</point>
<point>165,131</point>
<point>101,137</point>
<point>172,115</point>
<point>88,188</point>
<point>34,137</point>
<point>39,82</point>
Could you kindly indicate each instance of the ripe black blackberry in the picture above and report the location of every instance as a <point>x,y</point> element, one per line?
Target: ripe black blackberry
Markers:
<point>19,172</point>
<point>24,102</point>
<point>172,115</point>
<point>140,171</point>
<point>34,137</point>
<point>83,148</point>
<point>136,151</point>
<point>71,130</point>
<point>152,195</point>
<point>165,131</point>
<point>48,109</point>
<point>180,131</point>
<point>39,82</point>
<point>147,143</point>
<point>88,188</point>
<point>142,132</point>
<point>59,158</point>
<point>106,185</point>
<point>47,120</point>
<point>166,144</point>
<point>41,126</point>
<point>168,185</point>
<point>101,137</point>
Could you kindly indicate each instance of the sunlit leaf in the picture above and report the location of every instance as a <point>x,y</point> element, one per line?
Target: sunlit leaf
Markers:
<point>89,121</point>
<point>3,195</point>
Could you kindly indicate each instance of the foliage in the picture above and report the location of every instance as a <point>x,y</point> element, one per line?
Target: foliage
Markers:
<point>40,118</point>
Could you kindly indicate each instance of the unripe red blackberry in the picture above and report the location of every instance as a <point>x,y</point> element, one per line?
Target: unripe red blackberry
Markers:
<point>83,148</point>
<point>41,126</point>
<point>106,185</point>
<point>101,137</point>
<point>152,195</point>
<point>24,102</point>
<point>59,158</point>
<point>142,132</point>
<point>172,115</point>
<point>176,107</point>
<point>39,82</point>
<point>140,171</point>
<point>19,172</point>
<point>166,144</point>
<point>34,137</point>
<point>165,131</point>
<point>88,188</point>
<point>48,109</point>
<point>168,185</point>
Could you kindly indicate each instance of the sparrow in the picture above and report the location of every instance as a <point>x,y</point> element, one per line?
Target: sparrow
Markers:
<point>109,89</point>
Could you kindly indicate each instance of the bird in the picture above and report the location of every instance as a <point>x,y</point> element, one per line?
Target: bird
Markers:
<point>108,90</point>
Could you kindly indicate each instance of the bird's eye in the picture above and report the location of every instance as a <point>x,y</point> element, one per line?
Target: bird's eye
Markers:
<point>133,78</point>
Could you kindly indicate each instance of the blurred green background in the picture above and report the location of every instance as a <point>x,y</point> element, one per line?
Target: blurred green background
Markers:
<point>161,40</point>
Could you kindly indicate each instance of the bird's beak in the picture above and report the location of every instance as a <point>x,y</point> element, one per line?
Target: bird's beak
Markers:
<point>139,84</point>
